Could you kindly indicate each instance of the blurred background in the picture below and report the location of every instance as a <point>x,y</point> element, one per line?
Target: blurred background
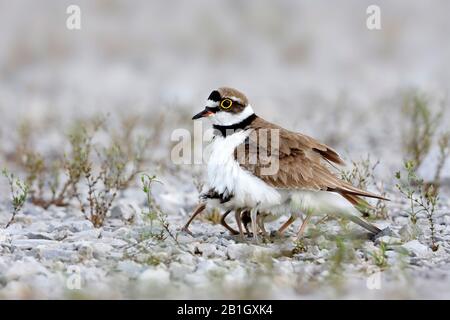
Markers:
<point>310,66</point>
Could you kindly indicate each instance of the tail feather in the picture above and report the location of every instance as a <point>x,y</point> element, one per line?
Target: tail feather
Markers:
<point>357,201</point>
<point>330,155</point>
<point>353,213</point>
<point>346,188</point>
<point>360,204</point>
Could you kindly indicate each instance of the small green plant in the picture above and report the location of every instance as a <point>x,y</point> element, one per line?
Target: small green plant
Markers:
<point>420,199</point>
<point>19,194</point>
<point>103,185</point>
<point>106,170</point>
<point>431,197</point>
<point>362,175</point>
<point>343,253</point>
<point>379,256</point>
<point>150,212</point>
<point>22,141</point>
<point>411,188</point>
<point>444,153</point>
<point>153,212</point>
<point>90,173</point>
<point>299,247</point>
<point>47,187</point>
<point>423,123</point>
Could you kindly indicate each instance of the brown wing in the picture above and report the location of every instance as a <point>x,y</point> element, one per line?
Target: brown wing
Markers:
<point>302,160</point>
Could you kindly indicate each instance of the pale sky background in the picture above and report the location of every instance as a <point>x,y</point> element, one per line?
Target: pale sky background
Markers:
<point>311,66</point>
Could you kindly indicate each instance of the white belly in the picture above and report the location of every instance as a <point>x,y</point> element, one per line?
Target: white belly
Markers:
<point>296,202</point>
<point>227,177</point>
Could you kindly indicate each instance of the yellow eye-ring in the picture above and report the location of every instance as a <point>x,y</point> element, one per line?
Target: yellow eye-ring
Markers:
<point>226,103</point>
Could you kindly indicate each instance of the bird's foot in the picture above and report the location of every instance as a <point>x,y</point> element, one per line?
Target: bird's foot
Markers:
<point>256,239</point>
<point>384,232</point>
<point>186,230</point>
<point>276,234</point>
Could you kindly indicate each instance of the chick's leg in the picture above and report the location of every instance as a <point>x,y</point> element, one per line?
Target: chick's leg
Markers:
<point>254,216</point>
<point>305,222</point>
<point>260,220</point>
<point>225,224</point>
<point>237,215</point>
<point>197,210</point>
<point>245,218</point>
<point>285,225</point>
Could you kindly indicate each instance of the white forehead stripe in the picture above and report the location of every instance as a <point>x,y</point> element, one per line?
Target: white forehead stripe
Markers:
<point>212,104</point>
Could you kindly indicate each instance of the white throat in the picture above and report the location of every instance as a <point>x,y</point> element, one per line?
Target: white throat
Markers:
<point>227,118</point>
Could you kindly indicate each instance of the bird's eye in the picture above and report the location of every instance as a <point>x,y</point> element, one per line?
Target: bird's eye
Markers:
<point>226,103</point>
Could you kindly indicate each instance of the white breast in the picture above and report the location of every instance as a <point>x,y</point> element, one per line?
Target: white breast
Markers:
<point>226,176</point>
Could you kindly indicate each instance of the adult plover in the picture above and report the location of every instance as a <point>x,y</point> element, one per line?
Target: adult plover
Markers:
<point>246,148</point>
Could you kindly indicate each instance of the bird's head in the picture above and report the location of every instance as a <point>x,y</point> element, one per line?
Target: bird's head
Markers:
<point>226,106</point>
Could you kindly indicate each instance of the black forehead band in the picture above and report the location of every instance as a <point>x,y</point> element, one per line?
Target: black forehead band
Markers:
<point>215,96</point>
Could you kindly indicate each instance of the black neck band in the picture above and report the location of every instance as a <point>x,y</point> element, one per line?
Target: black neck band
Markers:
<point>224,130</point>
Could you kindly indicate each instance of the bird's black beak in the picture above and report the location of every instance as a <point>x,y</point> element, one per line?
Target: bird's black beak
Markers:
<point>205,113</point>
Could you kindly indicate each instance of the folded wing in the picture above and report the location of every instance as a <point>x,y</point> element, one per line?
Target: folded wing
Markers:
<point>304,163</point>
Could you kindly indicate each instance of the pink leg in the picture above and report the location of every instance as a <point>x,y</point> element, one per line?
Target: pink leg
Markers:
<point>286,225</point>
<point>305,222</point>
<point>197,210</point>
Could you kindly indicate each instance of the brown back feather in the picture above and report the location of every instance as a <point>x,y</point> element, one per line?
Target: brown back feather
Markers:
<point>302,162</point>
